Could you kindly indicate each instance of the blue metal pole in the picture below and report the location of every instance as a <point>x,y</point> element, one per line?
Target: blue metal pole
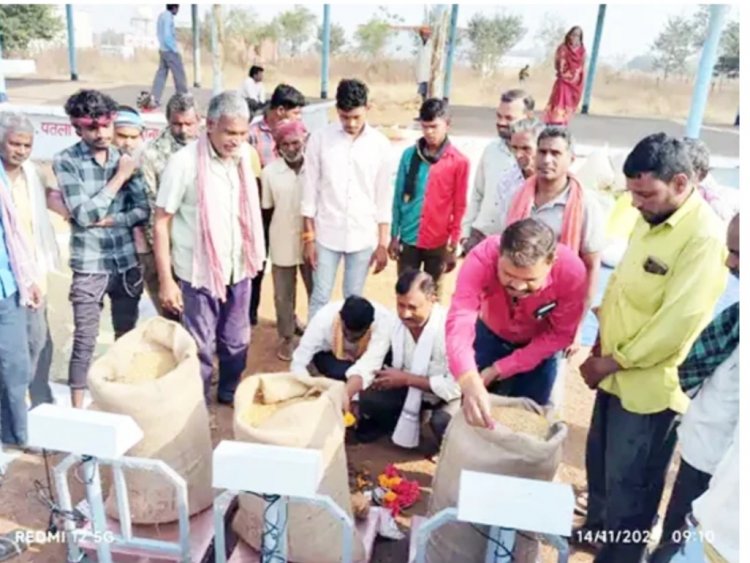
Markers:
<point>3,91</point>
<point>452,33</point>
<point>706,69</point>
<point>71,42</point>
<point>196,46</point>
<point>325,51</point>
<point>594,56</point>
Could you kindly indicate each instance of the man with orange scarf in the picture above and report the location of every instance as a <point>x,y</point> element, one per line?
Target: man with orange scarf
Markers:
<point>208,231</point>
<point>555,197</point>
<point>570,59</point>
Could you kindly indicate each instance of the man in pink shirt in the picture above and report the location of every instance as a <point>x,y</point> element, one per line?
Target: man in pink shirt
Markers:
<point>518,302</point>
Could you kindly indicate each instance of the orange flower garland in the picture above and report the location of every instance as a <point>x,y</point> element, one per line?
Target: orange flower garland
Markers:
<point>400,493</point>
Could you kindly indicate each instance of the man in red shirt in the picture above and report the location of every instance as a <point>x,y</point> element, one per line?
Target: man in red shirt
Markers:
<point>518,302</point>
<point>430,197</point>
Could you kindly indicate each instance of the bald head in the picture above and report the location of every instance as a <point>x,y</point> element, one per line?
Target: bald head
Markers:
<point>733,246</point>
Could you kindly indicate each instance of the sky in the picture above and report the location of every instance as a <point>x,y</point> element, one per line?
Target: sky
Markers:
<point>629,29</point>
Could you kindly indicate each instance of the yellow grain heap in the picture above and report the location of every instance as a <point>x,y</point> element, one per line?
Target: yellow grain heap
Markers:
<point>257,414</point>
<point>146,365</point>
<point>522,421</point>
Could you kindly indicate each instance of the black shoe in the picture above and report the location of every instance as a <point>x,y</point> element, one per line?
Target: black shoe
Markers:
<point>254,319</point>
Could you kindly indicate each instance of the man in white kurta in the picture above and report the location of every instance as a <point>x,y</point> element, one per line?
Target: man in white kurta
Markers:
<point>418,377</point>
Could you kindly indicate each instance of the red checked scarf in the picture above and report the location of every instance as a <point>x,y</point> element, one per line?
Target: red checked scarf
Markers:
<point>21,259</point>
<point>207,269</point>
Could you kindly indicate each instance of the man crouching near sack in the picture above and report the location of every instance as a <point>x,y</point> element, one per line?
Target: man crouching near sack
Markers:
<point>419,377</point>
<point>348,341</point>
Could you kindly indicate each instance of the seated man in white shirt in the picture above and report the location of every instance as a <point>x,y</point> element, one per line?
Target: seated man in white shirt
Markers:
<point>419,377</point>
<point>252,87</point>
<point>347,341</point>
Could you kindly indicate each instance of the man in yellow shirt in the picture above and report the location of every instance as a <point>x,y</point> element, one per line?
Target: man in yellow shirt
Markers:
<point>657,302</point>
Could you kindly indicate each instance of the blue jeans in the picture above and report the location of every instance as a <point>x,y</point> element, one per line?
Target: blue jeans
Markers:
<point>535,385</point>
<point>356,266</point>
<point>15,370</point>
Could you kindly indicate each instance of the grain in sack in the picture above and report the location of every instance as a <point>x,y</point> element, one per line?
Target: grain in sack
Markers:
<point>152,374</point>
<point>285,409</point>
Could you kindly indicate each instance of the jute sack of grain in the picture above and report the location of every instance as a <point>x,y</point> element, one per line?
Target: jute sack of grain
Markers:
<point>501,451</point>
<point>308,416</point>
<point>152,374</point>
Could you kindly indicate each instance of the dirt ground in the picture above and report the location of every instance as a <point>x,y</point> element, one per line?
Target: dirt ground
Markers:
<point>20,508</point>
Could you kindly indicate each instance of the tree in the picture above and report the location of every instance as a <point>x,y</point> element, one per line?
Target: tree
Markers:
<point>373,37</point>
<point>729,61</point>
<point>20,24</point>
<point>550,34</point>
<point>673,46</point>
<point>244,28</point>
<point>730,40</point>
<point>699,24</point>
<point>338,39</point>
<point>296,27</point>
<point>730,37</point>
<point>491,38</point>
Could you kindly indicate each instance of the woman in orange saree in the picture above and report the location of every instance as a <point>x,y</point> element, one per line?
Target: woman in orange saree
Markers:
<point>566,93</point>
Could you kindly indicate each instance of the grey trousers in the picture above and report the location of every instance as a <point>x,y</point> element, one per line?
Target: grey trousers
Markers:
<point>285,295</point>
<point>627,456</point>
<point>430,260</point>
<point>169,61</point>
<point>87,293</point>
<point>40,353</point>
